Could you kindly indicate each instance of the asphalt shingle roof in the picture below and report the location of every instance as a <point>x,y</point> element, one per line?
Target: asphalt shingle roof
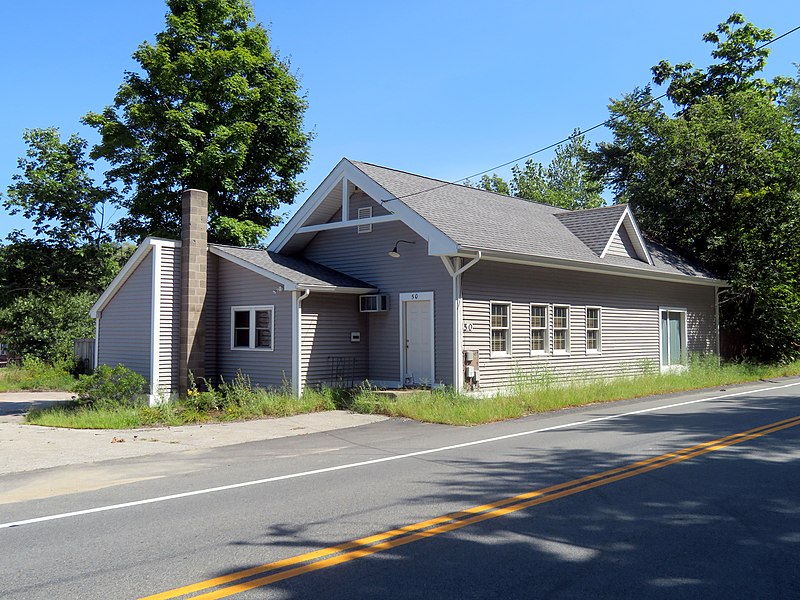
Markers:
<point>482,220</point>
<point>301,271</point>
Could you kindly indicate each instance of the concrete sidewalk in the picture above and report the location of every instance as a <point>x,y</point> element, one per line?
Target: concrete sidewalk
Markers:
<point>30,447</point>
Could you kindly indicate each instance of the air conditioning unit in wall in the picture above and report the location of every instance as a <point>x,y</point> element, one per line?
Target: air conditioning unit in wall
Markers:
<point>373,303</point>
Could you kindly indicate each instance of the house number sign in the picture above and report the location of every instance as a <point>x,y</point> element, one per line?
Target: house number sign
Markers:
<point>467,326</point>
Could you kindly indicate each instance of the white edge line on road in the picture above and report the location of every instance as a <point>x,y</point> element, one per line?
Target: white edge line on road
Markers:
<point>375,461</point>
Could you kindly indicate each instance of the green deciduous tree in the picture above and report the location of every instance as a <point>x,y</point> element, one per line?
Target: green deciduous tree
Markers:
<point>566,182</point>
<point>49,281</point>
<point>212,108</point>
<point>719,181</point>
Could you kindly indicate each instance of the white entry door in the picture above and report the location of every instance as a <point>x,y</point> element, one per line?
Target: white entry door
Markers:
<point>418,339</point>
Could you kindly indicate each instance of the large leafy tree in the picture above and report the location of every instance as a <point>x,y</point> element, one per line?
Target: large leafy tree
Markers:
<point>213,108</point>
<point>565,182</point>
<point>48,281</point>
<point>718,179</point>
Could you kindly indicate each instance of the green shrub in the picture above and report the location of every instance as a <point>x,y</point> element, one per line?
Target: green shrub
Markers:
<point>109,387</point>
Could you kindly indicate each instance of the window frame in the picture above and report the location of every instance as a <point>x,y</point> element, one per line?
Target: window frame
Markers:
<point>566,330</point>
<point>500,353</point>
<point>252,328</point>
<point>545,329</point>
<point>598,329</point>
<point>684,320</point>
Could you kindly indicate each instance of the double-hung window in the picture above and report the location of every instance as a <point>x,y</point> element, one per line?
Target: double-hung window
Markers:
<point>252,327</point>
<point>561,329</point>
<point>592,329</point>
<point>500,327</point>
<point>539,328</point>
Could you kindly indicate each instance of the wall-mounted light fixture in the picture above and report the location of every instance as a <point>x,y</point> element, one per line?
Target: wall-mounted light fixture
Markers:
<point>394,253</point>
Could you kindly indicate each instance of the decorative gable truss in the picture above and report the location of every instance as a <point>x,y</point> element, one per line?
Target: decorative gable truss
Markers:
<point>349,198</point>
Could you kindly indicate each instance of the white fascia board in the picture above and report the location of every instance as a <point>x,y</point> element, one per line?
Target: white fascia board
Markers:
<point>636,238</point>
<point>341,224</point>
<point>127,270</point>
<point>287,284</point>
<point>439,244</point>
<point>576,265</point>
<point>309,206</point>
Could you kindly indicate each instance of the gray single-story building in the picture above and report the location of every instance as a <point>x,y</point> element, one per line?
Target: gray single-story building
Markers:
<point>399,279</point>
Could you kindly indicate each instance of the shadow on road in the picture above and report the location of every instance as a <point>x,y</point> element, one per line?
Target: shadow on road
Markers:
<point>722,525</point>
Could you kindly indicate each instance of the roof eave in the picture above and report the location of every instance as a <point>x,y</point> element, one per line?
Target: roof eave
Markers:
<point>578,265</point>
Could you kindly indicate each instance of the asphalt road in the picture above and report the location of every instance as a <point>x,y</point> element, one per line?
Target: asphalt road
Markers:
<point>615,501</point>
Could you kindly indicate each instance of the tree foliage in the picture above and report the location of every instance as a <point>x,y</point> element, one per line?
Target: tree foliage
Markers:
<point>212,108</point>
<point>566,182</point>
<point>49,281</point>
<point>719,181</point>
<point>56,191</point>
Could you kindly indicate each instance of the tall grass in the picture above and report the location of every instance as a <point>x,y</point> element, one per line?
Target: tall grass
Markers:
<point>35,375</point>
<point>541,392</point>
<point>531,393</point>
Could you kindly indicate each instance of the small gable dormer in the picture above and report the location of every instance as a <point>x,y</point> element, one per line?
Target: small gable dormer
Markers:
<point>608,231</point>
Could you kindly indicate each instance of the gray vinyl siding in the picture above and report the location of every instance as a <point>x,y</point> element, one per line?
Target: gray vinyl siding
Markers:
<point>169,318</point>
<point>629,320</point>
<point>328,320</point>
<point>237,286</point>
<point>125,326</point>
<point>365,256</point>
<point>361,200</point>
<point>621,244</point>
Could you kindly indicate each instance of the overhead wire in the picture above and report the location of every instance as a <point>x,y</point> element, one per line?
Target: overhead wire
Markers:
<point>579,132</point>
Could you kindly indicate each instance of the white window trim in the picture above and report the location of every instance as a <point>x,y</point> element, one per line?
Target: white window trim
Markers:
<point>252,325</point>
<point>599,349</point>
<point>685,338</point>
<point>567,340</point>
<point>546,328</point>
<point>492,353</point>
<point>364,212</point>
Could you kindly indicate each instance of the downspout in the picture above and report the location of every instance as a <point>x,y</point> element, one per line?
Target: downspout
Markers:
<point>717,292</point>
<point>458,317</point>
<point>297,347</point>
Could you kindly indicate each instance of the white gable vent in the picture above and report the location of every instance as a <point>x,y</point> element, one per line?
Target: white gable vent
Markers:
<point>373,303</point>
<point>365,212</point>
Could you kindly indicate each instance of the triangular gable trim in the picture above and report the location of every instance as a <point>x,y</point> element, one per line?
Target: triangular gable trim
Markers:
<point>438,242</point>
<point>634,234</point>
<point>141,253</point>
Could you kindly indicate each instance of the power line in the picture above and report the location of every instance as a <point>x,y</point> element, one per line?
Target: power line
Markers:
<point>572,136</point>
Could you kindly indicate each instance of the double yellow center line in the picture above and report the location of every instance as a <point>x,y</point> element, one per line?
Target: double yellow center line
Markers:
<point>334,555</point>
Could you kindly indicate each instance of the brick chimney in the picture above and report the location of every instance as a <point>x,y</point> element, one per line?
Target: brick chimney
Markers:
<point>194,250</point>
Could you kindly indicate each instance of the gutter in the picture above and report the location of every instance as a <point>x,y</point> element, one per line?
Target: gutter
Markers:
<point>579,265</point>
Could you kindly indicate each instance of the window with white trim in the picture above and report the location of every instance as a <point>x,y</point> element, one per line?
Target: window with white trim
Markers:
<point>539,328</point>
<point>500,327</point>
<point>365,212</point>
<point>252,327</point>
<point>592,329</point>
<point>561,329</point>
<point>673,337</point>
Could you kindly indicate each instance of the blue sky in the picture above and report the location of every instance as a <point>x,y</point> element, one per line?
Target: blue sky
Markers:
<point>445,89</point>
